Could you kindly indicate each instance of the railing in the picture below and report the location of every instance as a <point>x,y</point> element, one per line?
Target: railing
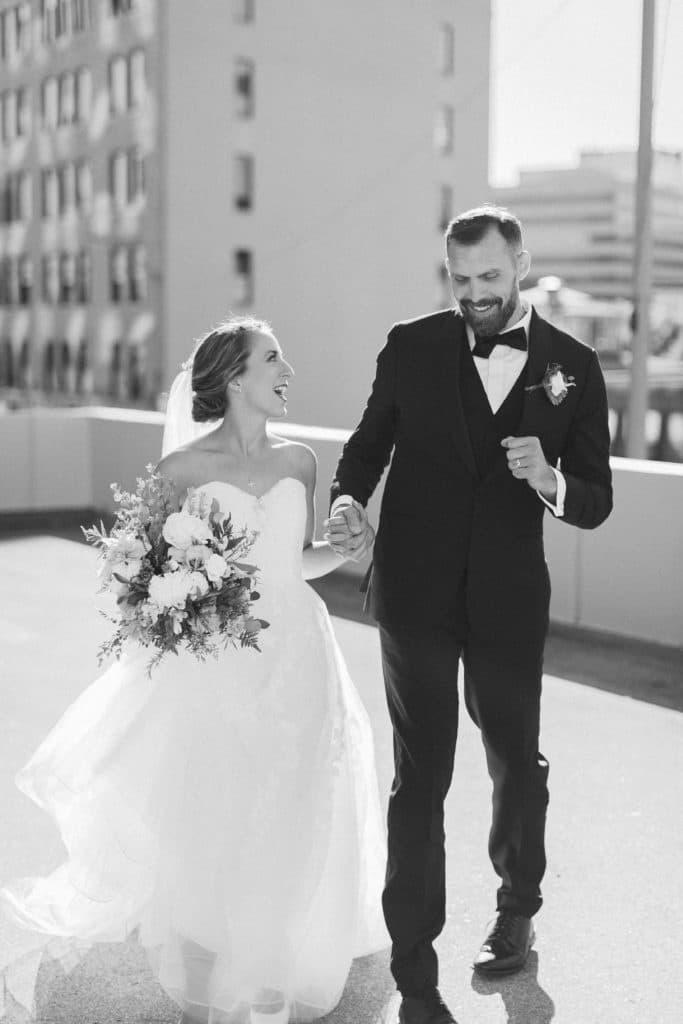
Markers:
<point>625,577</point>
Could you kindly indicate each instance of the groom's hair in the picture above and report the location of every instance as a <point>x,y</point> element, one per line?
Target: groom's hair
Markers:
<point>469,227</point>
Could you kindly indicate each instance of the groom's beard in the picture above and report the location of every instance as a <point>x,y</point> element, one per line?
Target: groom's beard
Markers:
<point>494,320</point>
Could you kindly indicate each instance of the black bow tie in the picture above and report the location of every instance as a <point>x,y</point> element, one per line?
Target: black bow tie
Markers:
<point>483,347</point>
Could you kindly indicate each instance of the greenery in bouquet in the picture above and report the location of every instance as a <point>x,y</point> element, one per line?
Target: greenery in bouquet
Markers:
<point>179,577</point>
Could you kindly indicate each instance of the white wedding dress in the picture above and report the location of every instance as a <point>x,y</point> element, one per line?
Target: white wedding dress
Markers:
<point>226,810</point>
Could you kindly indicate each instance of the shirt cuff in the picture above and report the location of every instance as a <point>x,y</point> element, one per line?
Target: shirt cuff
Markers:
<point>343,501</point>
<point>558,508</point>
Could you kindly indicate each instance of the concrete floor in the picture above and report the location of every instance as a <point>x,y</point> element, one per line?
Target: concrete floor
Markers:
<point>609,935</point>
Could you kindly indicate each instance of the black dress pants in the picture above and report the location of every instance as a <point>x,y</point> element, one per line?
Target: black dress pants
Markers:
<point>502,695</point>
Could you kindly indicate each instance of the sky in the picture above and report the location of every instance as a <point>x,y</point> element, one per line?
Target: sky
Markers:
<point>566,77</point>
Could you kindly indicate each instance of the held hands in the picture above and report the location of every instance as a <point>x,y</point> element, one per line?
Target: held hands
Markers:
<point>349,533</point>
<point>526,461</point>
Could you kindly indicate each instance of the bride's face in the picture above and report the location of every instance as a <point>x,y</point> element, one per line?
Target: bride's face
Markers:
<point>263,385</point>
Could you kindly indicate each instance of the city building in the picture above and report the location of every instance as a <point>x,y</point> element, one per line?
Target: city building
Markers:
<point>78,151</point>
<point>579,226</point>
<point>164,164</point>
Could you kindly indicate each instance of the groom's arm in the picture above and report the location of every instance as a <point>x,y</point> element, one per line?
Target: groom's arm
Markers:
<point>585,458</point>
<point>368,450</point>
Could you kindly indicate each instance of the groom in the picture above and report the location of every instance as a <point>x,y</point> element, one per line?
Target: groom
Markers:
<point>480,406</point>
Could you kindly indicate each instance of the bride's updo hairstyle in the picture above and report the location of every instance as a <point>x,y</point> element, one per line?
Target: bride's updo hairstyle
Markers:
<point>220,357</point>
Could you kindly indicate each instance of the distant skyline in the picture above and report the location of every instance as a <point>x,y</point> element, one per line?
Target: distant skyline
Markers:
<point>568,79</point>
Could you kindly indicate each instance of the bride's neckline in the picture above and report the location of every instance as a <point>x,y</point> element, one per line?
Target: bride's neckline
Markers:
<point>248,494</point>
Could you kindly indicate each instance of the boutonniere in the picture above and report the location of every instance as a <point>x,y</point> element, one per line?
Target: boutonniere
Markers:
<point>555,383</point>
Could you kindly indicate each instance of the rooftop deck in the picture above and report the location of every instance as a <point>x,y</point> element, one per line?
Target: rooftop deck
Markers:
<point>609,932</point>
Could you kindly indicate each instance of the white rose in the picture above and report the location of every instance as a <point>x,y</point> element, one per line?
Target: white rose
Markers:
<point>170,590</point>
<point>216,567</point>
<point>182,530</point>
<point>557,385</point>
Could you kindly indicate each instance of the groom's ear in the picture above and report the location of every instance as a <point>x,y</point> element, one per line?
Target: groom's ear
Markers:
<point>523,264</point>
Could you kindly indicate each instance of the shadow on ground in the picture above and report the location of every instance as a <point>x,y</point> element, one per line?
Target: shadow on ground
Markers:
<point>525,1001</point>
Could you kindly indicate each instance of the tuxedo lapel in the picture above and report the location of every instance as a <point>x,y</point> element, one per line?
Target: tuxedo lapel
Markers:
<point>536,405</point>
<point>453,341</point>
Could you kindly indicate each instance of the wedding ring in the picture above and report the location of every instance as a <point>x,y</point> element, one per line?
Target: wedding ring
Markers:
<point>518,463</point>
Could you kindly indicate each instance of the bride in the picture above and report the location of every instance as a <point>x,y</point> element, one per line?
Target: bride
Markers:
<point>226,811</point>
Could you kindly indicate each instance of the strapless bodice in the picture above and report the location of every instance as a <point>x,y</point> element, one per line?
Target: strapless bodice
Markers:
<point>278,517</point>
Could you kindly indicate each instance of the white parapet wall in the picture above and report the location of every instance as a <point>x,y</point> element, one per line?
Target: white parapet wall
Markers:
<point>625,578</point>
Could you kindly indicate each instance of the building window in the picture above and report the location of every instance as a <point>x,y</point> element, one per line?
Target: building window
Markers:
<point>244,87</point>
<point>83,277</point>
<point>135,384</point>
<point>7,377</point>
<point>243,11</point>
<point>137,273</point>
<point>118,85</point>
<point>24,22</point>
<point>25,196</point>
<point>445,206</point>
<point>443,134</point>
<point>67,98</point>
<point>51,278</point>
<point>115,385</point>
<point>66,174</point>
<point>9,35</point>
<point>63,19</point>
<point>84,188</point>
<point>25,369</point>
<point>23,113</point>
<point>13,281</point>
<point>137,78</point>
<point>244,277</point>
<point>48,16</point>
<point>83,381</point>
<point>50,193</point>
<point>83,95</point>
<point>79,15</point>
<point>118,178</point>
<point>446,48</point>
<point>67,278</point>
<point>25,280</point>
<point>9,116</point>
<point>118,274</point>
<point>244,181</point>
<point>50,102</point>
<point>136,175</point>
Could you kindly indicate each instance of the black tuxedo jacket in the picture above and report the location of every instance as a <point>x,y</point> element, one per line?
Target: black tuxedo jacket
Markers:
<point>451,542</point>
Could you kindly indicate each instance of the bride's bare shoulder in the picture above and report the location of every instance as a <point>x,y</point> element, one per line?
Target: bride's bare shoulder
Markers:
<point>179,468</point>
<point>301,460</point>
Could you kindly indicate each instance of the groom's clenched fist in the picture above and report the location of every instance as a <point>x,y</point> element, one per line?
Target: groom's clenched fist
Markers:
<point>526,461</point>
<point>349,533</point>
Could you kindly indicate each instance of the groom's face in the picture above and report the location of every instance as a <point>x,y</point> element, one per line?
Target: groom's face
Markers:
<point>485,278</point>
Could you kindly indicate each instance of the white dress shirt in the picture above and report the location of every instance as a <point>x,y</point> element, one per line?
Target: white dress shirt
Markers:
<point>498,375</point>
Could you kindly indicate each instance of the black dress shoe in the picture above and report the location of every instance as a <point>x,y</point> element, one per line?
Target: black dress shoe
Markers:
<point>507,944</point>
<point>429,1008</point>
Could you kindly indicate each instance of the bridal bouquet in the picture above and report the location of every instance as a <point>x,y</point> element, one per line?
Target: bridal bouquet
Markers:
<point>179,577</point>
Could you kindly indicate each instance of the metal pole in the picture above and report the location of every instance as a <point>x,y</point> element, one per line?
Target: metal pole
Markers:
<point>642,269</point>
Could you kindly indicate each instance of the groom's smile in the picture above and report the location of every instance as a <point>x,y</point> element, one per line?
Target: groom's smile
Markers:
<point>485,277</point>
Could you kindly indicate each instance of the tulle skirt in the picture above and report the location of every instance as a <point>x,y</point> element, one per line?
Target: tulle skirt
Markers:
<point>225,812</point>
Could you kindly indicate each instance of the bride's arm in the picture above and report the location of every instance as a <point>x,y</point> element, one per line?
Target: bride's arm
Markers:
<point>318,557</point>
